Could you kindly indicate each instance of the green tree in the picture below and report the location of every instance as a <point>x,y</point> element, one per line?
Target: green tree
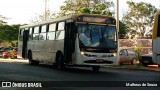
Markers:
<point>9,32</point>
<point>122,30</point>
<point>86,6</point>
<point>139,18</point>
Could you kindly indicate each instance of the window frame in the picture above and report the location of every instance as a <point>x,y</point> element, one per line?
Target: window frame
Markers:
<point>31,29</point>
<point>52,31</point>
<point>55,27</point>
<point>36,33</point>
<point>35,30</point>
<point>45,28</point>
<point>60,30</point>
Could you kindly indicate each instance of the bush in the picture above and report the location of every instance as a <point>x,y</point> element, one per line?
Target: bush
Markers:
<point>138,49</point>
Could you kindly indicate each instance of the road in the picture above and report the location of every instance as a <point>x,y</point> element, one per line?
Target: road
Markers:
<point>19,70</point>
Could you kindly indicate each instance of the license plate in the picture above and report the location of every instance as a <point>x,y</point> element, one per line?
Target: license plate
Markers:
<point>146,61</point>
<point>99,60</point>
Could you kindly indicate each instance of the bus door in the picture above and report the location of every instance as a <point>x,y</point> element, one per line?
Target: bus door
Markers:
<point>24,46</point>
<point>69,42</point>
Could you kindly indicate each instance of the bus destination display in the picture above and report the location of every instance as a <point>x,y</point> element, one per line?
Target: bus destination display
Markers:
<point>96,19</point>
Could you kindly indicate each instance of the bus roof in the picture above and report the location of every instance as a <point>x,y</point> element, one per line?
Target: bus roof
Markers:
<point>73,17</point>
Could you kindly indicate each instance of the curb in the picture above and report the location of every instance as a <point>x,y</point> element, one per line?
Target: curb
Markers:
<point>139,68</point>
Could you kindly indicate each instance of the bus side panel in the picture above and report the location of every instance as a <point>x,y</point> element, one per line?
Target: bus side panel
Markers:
<point>32,45</point>
<point>50,51</point>
<point>43,50</point>
<point>59,45</point>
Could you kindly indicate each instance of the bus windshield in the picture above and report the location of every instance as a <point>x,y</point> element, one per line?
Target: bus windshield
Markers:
<point>97,36</point>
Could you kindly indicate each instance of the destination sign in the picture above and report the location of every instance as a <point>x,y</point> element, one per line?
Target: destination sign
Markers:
<point>96,19</point>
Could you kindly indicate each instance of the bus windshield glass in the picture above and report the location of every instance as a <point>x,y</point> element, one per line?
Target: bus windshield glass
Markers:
<point>97,36</point>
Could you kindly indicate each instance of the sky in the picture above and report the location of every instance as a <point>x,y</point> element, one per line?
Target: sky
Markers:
<point>22,11</point>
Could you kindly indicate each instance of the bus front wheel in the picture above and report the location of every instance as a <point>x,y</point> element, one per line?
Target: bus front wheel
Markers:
<point>96,68</point>
<point>60,61</point>
<point>32,62</point>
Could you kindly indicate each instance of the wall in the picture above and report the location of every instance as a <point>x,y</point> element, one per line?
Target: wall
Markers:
<point>146,44</point>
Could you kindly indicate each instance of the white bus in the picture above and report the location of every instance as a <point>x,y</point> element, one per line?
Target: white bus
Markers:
<point>81,39</point>
<point>156,39</point>
<point>154,58</point>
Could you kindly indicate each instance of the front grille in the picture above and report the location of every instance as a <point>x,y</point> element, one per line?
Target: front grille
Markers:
<point>94,61</point>
<point>89,55</point>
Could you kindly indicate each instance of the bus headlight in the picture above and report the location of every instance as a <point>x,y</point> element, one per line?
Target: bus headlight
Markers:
<point>114,54</point>
<point>82,53</point>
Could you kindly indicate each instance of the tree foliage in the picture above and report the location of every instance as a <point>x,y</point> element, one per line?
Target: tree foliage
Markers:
<point>9,32</point>
<point>86,6</point>
<point>122,30</point>
<point>139,18</point>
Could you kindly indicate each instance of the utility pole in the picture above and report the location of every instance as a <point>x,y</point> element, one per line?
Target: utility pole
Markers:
<point>46,7</point>
<point>117,15</point>
<point>117,25</point>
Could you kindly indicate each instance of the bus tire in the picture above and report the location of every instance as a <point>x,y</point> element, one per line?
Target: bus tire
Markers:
<point>158,65</point>
<point>32,62</point>
<point>96,68</point>
<point>60,61</point>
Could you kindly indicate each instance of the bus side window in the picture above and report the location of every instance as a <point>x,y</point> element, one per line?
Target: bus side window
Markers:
<point>30,33</point>
<point>36,33</point>
<point>42,35</point>
<point>60,32</point>
<point>51,31</point>
<point>21,31</point>
<point>21,34</point>
<point>61,25</point>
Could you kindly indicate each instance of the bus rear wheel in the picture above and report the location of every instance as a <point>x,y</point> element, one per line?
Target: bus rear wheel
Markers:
<point>32,62</point>
<point>60,61</point>
<point>96,68</point>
